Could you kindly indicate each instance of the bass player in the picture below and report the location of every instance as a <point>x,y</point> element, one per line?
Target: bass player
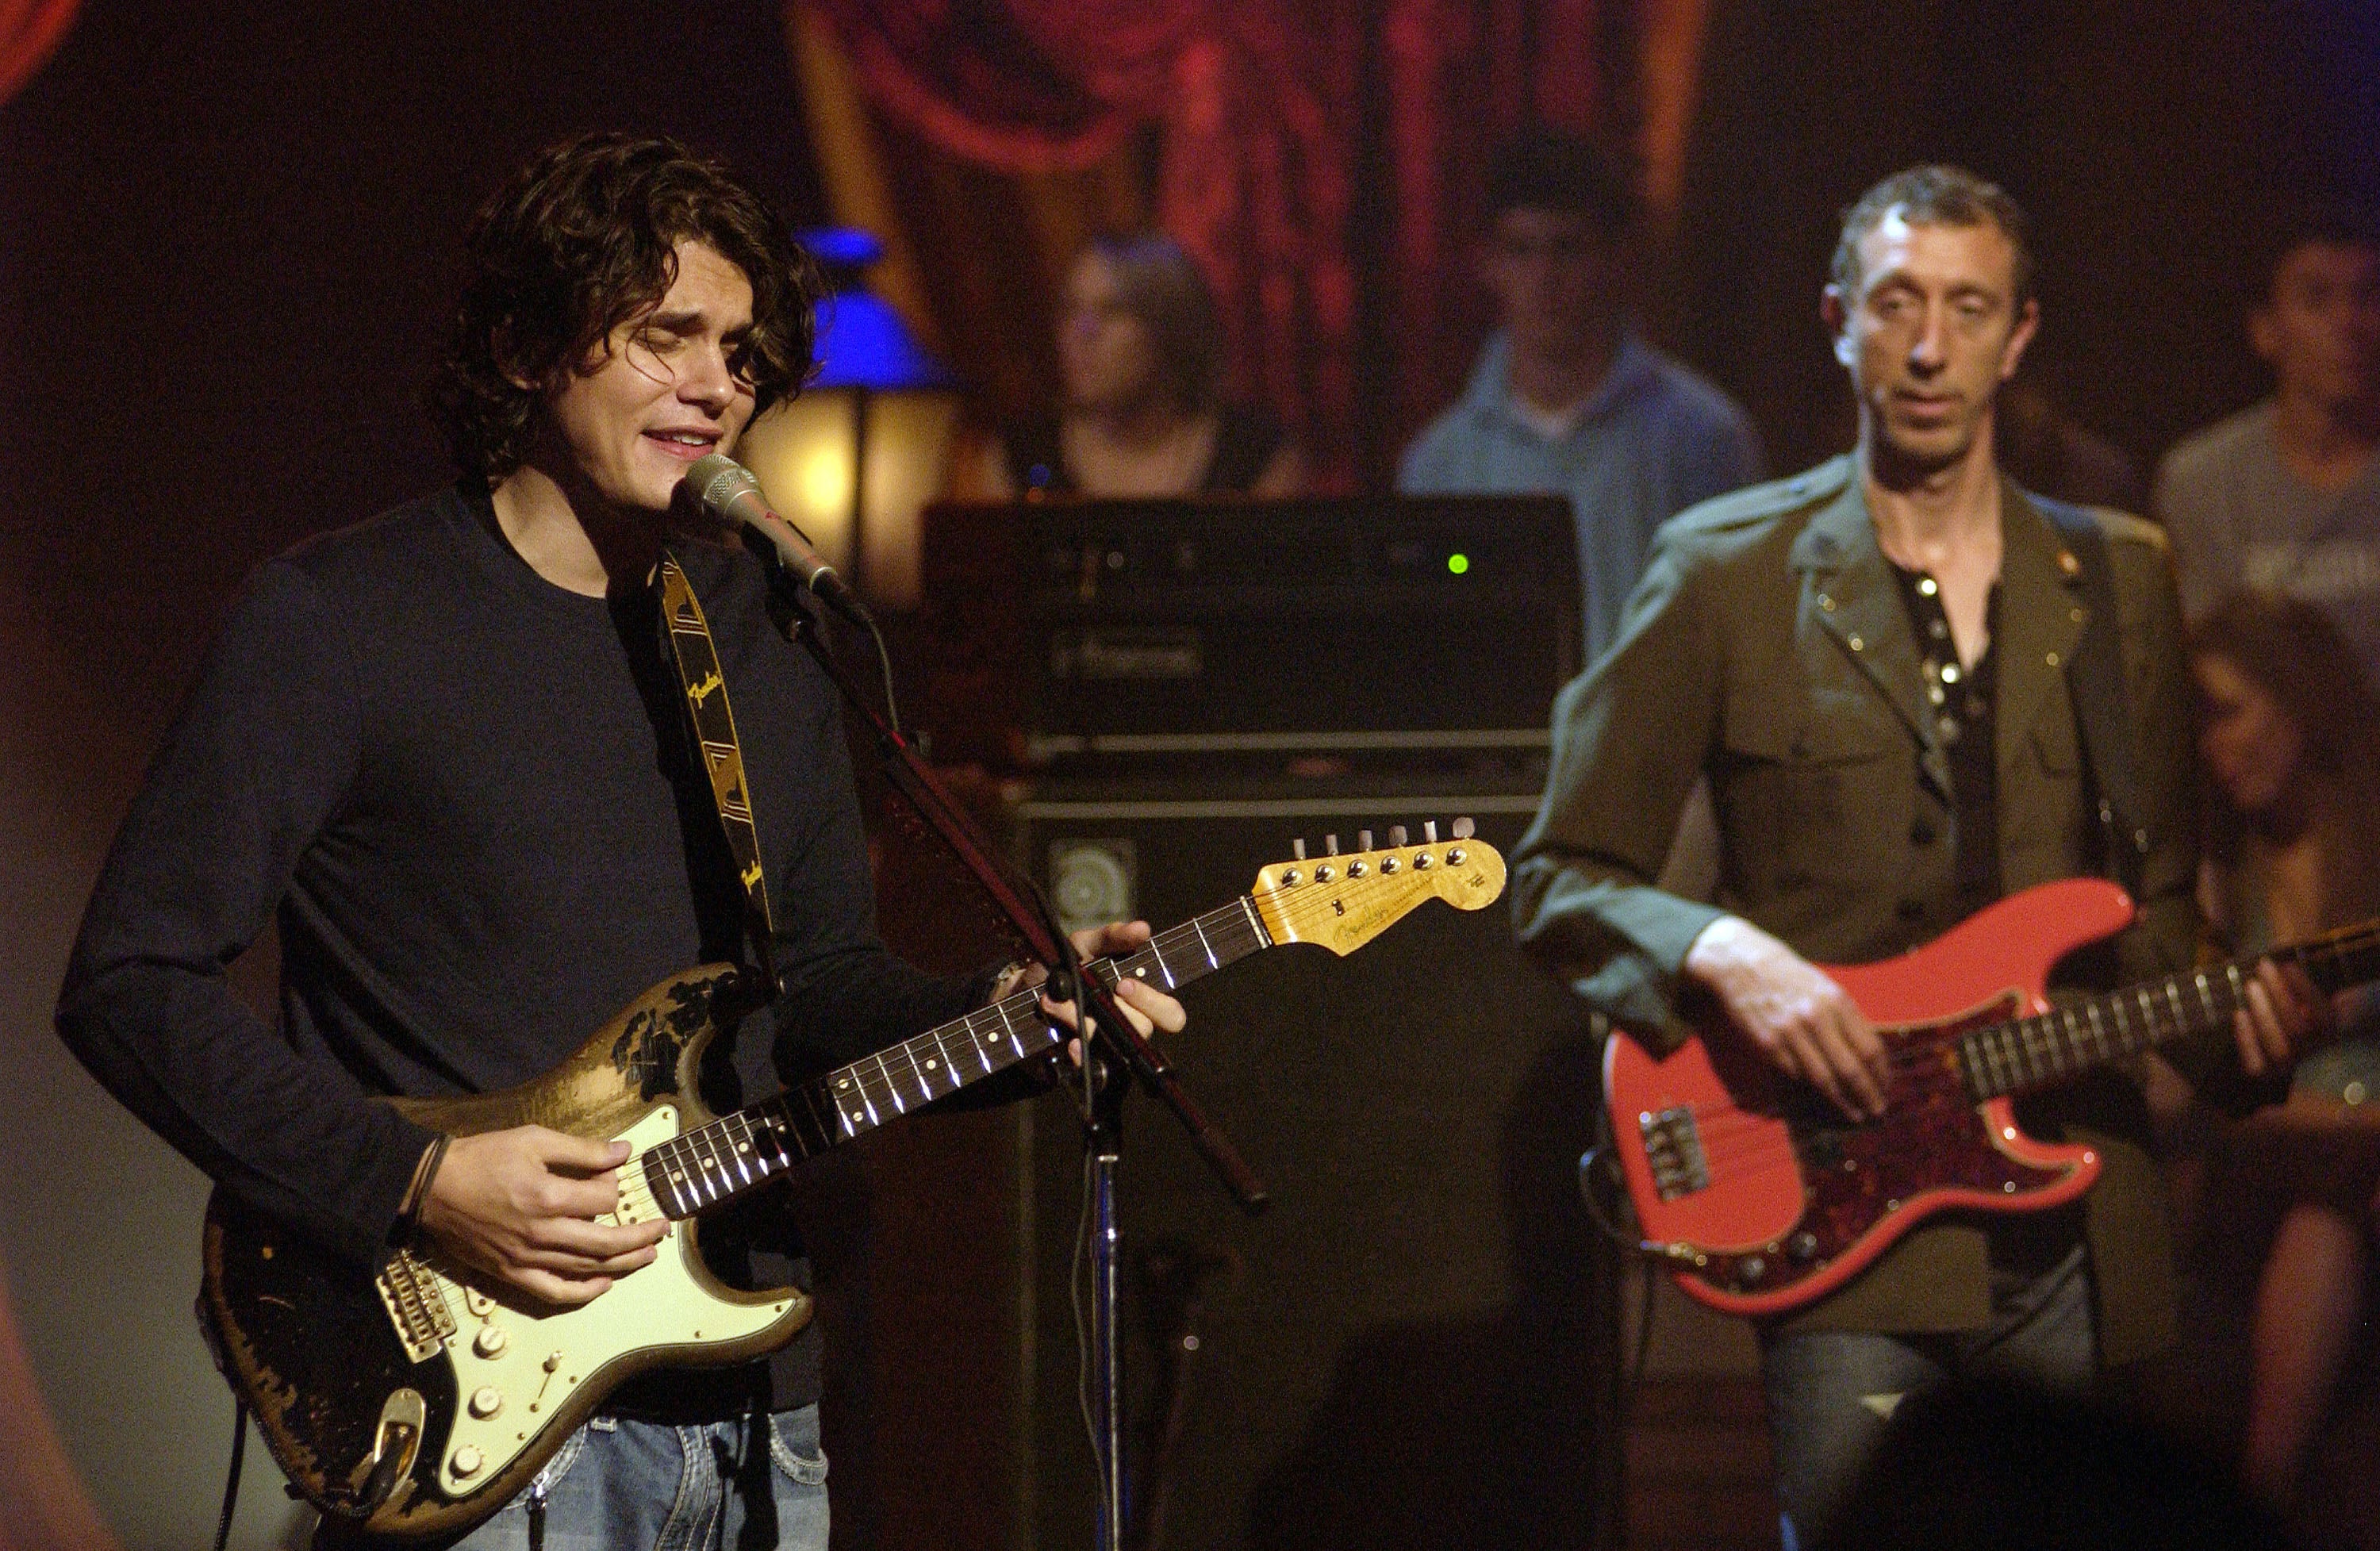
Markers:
<point>445,750</point>
<point>1883,667</point>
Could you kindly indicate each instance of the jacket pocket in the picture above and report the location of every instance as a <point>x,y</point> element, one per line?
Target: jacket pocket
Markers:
<point>1801,783</point>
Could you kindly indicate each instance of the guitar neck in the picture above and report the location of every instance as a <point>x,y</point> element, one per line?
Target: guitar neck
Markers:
<point>712,1164</point>
<point>2023,1054</point>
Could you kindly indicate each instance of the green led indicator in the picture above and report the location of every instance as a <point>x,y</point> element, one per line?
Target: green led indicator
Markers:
<point>1458,562</point>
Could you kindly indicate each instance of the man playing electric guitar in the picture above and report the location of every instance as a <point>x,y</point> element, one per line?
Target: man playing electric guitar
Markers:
<point>448,751</point>
<point>1898,674</point>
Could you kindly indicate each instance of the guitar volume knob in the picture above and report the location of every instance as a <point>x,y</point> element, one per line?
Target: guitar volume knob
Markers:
<point>489,1341</point>
<point>486,1401</point>
<point>467,1462</point>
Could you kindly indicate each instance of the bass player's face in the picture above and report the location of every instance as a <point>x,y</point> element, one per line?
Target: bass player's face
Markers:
<point>1933,332</point>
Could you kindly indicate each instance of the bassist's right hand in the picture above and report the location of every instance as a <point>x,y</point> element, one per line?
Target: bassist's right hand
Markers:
<point>521,1205</point>
<point>1798,1019</point>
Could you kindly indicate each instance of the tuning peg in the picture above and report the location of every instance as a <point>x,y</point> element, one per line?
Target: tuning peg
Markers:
<point>1363,840</point>
<point>1330,844</point>
<point>1396,835</point>
<point>1429,831</point>
<point>1297,848</point>
<point>1464,829</point>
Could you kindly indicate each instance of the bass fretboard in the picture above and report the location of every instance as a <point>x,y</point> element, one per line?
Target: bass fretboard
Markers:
<point>2026,1053</point>
<point>712,1164</point>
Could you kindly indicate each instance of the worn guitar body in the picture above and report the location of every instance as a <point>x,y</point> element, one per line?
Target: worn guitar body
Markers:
<point>423,1437</point>
<point>1762,1197</point>
<point>415,1402</point>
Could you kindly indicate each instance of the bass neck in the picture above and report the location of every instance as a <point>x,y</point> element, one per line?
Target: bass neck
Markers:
<point>2019,1055</point>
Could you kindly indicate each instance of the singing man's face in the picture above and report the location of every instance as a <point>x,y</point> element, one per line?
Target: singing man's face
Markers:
<point>1933,332</point>
<point>667,387</point>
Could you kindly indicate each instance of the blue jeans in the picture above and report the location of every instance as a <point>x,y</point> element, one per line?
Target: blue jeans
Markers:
<point>748,1485</point>
<point>1833,1392</point>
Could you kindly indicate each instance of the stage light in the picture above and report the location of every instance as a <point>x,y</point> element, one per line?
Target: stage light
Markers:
<point>855,457</point>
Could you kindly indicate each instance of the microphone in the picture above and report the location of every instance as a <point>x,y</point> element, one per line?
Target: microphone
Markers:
<point>727,491</point>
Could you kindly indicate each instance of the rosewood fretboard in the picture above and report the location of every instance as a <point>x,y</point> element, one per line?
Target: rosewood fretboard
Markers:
<point>702,1168</point>
<point>2026,1053</point>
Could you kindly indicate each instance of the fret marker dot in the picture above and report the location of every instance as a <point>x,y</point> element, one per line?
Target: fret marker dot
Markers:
<point>932,1063</point>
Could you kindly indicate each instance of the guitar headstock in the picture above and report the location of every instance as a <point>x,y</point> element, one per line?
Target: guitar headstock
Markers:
<point>1343,902</point>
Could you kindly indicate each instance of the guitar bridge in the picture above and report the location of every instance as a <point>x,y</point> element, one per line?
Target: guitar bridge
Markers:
<point>410,1291</point>
<point>1674,1149</point>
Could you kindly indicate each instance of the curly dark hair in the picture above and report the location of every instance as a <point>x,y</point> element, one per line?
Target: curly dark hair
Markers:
<point>583,239</point>
<point>1935,195</point>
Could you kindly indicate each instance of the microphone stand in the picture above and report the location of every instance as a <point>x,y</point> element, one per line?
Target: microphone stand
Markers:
<point>1113,1049</point>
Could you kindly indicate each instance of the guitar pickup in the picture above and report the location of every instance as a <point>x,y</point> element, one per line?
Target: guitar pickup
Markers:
<point>416,1305</point>
<point>1674,1149</point>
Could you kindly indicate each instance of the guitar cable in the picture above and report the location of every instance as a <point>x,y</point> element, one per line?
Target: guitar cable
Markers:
<point>1599,1166</point>
<point>231,1477</point>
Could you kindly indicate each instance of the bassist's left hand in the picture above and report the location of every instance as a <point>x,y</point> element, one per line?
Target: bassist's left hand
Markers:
<point>2284,1014</point>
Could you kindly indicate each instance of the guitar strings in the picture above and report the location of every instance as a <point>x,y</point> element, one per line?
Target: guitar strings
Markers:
<point>1299,907</point>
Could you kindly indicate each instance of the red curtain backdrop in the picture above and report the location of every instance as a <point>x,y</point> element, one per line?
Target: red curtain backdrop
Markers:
<point>29,31</point>
<point>1319,157</point>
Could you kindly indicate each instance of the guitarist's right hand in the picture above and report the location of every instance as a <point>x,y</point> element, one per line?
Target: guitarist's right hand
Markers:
<point>1797,1018</point>
<point>521,1205</point>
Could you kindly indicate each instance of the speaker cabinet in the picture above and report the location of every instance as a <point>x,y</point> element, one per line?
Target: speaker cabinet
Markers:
<point>1413,1348</point>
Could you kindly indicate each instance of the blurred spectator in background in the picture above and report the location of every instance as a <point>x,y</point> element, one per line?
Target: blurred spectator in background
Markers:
<point>1566,398</point>
<point>1141,353</point>
<point>2290,737</point>
<point>2284,496</point>
<point>2048,453</point>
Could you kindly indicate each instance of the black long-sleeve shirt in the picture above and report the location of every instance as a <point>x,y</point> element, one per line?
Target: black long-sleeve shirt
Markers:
<point>468,794</point>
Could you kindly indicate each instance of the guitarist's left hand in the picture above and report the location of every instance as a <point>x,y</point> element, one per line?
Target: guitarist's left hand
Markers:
<point>1151,1010</point>
<point>2283,1014</point>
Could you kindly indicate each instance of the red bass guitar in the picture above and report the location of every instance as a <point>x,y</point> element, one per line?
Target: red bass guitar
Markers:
<point>1761,1197</point>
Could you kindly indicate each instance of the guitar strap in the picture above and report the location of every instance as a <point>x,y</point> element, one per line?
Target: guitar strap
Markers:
<point>2094,676</point>
<point>687,635</point>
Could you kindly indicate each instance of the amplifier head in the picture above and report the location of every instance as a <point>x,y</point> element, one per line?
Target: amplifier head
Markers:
<point>1162,628</point>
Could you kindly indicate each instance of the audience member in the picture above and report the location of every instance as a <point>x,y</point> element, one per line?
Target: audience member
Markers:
<point>2047,451</point>
<point>1567,398</point>
<point>2291,736</point>
<point>2284,496</point>
<point>1140,350</point>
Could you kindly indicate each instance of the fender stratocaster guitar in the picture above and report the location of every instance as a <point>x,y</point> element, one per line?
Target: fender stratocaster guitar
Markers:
<point>415,1402</point>
<point>1761,1197</point>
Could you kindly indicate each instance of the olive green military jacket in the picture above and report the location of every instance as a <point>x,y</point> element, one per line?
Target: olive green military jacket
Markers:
<point>1767,648</point>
